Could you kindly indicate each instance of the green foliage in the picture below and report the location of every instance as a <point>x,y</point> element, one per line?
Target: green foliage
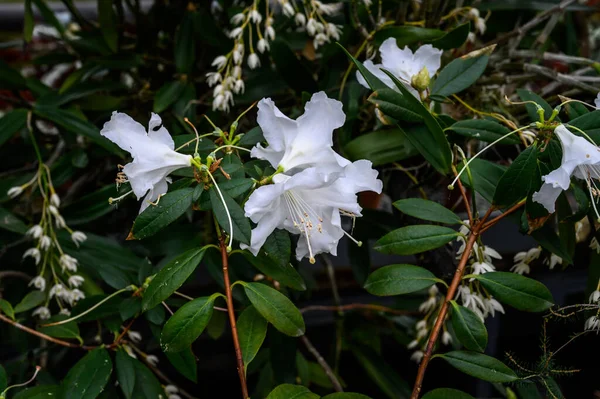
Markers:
<point>520,292</point>
<point>480,366</point>
<point>399,279</point>
<point>469,328</point>
<point>252,330</point>
<point>415,239</point>
<point>89,376</point>
<point>427,210</point>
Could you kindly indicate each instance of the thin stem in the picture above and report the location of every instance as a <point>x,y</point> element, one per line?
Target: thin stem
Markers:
<point>231,313</point>
<point>500,217</point>
<point>328,371</point>
<point>226,210</point>
<point>463,194</point>
<point>41,335</point>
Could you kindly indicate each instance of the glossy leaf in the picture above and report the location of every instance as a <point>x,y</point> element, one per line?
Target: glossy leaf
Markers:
<point>453,39</point>
<point>146,384</point>
<point>30,301</point>
<point>516,181</point>
<point>427,210</point>
<point>447,393</point>
<point>527,95</point>
<point>186,325</point>
<point>156,217</point>
<point>252,330</point>
<point>11,123</point>
<point>68,330</point>
<point>167,94</point>
<point>10,222</point>
<point>27,22</point>
<point>241,225</point>
<point>485,176</point>
<point>87,379</point>
<point>469,328</point>
<point>41,391</point>
<point>276,308</point>
<point>484,130</point>
<point>125,372</point>
<point>171,277</point>
<point>398,280</point>
<point>381,147</point>
<point>108,24</point>
<point>589,123</point>
<point>518,291</point>
<point>458,75</point>
<point>289,391</point>
<point>479,366</point>
<point>345,395</point>
<point>6,308</point>
<point>286,274</point>
<point>394,104</point>
<point>185,44</point>
<point>411,240</point>
<point>406,35</point>
<point>185,361</point>
<point>373,82</point>
<point>550,241</point>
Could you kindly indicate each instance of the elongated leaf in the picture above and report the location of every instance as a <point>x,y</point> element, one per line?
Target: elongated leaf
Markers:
<point>156,217</point>
<point>10,78</point>
<point>289,391</point>
<point>167,94</point>
<point>518,291</point>
<point>453,39</point>
<point>31,300</point>
<point>241,226</point>
<point>3,379</point>
<point>345,395</point>
<point>185,44</point>
<point>108,24</point>
<point>484,130</point>
<point>373,82</point>
<point>381,147</point>
<point>41,391</point>
<point>469,328</point>
<point>89,376</point>
<point>284,273</point>
<point>393,104</point>
<point>7,308</point>
<point>252,330</point>
<point>411,240</point>
<point>186,325</point>
<point>427,210</point>
<point>276,308</point>
<point>278,247</point>
<point>458,75</point>
<point>485,175</point>
<point>146,384</point>
<point>589,123</point>
<point>290,68</point>
<point>406,35</point>
<point>479,366</point>
<point>526,95</point>
<point>68,330</point>
<point>171,277</point>
<point>185,361</point>
<point>125,372</point>
<point>516,181</point>
<point>10,222</point>
<point>28,22</point>
<point>447,393</point>
<point>381,373</point>
<point>11,123</point>
<point>550,241</point>
<point>398,280</point>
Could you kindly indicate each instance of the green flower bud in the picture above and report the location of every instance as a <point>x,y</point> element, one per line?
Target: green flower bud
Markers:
<point>421,80</point>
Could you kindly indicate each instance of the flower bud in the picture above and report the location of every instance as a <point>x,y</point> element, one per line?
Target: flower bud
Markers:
<point>14,192</point>
<point>421,80</point>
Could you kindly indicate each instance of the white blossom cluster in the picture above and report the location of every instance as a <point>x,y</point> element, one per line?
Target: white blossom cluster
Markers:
<point>56,269</point>
<point>593,322</point>
<point>478,22</point>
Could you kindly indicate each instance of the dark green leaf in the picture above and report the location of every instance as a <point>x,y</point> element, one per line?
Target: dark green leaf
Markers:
<point>31,300</point>
<point>394,104</point>
<point>292,70</point>
<point>11,123</point>
<point>479,366</point>
<point>252,137</point>
<point>10,222</point>
<point>447,393</point>
<point>49,16</point>
<point>156,217</point>
<point>289,391</point>
<point>10,78</point>
<point>380,372</point>
<point>185,44</point>
<point>146,384</point>
<point>87,379</point>
<point>167,95</point>
<point>516,181</point>
<point>68,330</point>
<point>125,372</point>
<point>398,280</point>
<point>90,207</point>
<point>278,247</point>
<point>458,75</point>
<point>39,392</point>
<point>406,35</point>
<point>453,39</point>
<point>427,210</point>
<point>241,225</point>
<point>526,95</point>
<point>411,240</point>
<point>252,330</point>
<point>7,309</point>
<point>469,328</point>
<point>373,82</point>
<point>276,308</point>
<point>485,175</point>
<point>483,130</point>
<point>345,395</point>
<point>185,362</point>
<point>108,24</point>
<point>186,325</point>
<point>518,291</point>
<point>381,147</point>
<point>284,273</point>
<point>589,123</point>
<point>28,22</point>
<point>171,277</point>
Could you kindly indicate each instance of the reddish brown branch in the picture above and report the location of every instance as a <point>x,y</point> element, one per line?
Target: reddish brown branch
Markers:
<point>231,313</point>
<point>463,193</point>
<point>500,217</point>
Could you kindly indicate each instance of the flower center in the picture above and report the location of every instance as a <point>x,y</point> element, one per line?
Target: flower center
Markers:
<point>304,218</point>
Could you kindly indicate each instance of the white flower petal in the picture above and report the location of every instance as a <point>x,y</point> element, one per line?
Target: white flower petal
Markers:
<point>428,56</point>
<point>157,132</point>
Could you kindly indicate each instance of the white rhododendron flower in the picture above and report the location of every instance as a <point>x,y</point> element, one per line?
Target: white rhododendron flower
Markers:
<point>403,64</point>
<point>580,159</point>
<point>153,154</point>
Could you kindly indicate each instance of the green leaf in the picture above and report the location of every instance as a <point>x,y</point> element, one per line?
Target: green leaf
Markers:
<point>290,68</point>
<point>125,372</point>
<point>286,274</point>
<point>167,94</point>
<point>108,24</point>
<point>11,123</point>
<point>447,393</point>
<point>516,181</point>
<point>31,300</point>
<point>394,104</point>
<point>412,240</point>
<point>345,395</point>
<point>406,35</point>
<point>156,217</point>
<point>427,210</point>
<point>589,123</point>
<point>484,130</point>
<point>252,330</point>
<point>171,277</point>
<point>398,280</point>
<point>518,291</point>
<point>49,16</point>
<point>381,147</point>
<point>453,39</point>
<point>289,391</point>
<point>90,207</point>
<point>39,392</point>
<point>479,366</point>
<point>550,241</point>
<point>276,308</point>
<point>241,225</point>
<point>146,384</point>
<point>68,330</point>
<point>185,362</point>
<point>380,372</point>
<point>458,75</point>
<point>87,379</point>
<point>10,222</point>
<point>10,78</point>
<point>185,44</point>
<point>485,175</point>
<point>186,325</point>
<point>278,247</point>
<point>28,22</point>
<point>526,95</point>
<point>373,81</point>
<point>469,328</point>
<point>3,379</point>
<point>7,309</point>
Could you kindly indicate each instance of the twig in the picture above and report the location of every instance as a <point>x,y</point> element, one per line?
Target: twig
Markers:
<point>328,371</point>
<point>42,335</point>
<point>120,337</point>
<point>352,306</point>
<point>463,194</point>
<point>231,312</point>
<point>492,222</point>
<point>559,77</point>
<point>547,56</point>
<point>14,273</point>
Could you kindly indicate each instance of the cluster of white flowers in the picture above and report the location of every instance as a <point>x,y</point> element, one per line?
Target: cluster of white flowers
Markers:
<point>478,23</point>
<point>593,322</point>
<point>481,305</point>
<point>414,70</point>
<point>523,259</point>
<point>48,255</point>
<point>313,185</point>
<point>172,392</point>
<point>481,257</point>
